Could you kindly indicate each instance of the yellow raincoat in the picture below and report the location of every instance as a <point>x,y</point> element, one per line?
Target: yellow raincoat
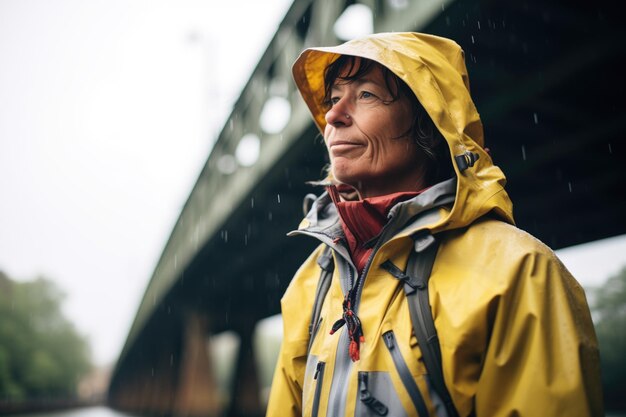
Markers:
<point>514,327</point>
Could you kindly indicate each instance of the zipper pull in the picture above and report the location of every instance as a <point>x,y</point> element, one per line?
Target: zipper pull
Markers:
<point>368,399</point>
<point>318,368</point>
<point>338,325</point>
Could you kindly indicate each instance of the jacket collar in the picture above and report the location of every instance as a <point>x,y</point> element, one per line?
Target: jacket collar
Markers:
<point>322,221</point>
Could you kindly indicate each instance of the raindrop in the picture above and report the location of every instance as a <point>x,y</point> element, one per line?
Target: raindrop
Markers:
<point>473,39</point>
<point>175,261</point>
<point>245,240</point>
<point>536,118</point>
<point>447,20</point>
<point>231,124</point>
<point>171,359</point>
<point>569,185</point>
<point>252,202</point>
<point>610,149</point>
<point>278,198</point>
<point>478,24</point>
<point>523,153</point>
<point>269,216</point>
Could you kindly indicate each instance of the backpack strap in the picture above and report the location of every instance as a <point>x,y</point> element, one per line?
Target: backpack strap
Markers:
<point>415,283</point>
<point>327,265</point>
<point>419,268</point>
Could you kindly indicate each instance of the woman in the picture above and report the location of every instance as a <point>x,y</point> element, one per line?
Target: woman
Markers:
<point>406,149</point>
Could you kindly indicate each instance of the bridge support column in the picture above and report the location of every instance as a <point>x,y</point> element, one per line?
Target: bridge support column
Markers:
<point>149,381</point>
<point>197,394</point>
<point>161,380</point>
<point>245,400</point>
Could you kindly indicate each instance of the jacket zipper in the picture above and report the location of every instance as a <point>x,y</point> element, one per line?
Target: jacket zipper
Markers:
<point>379,243</point>
<point>319,377</point>
<point>405,374</point>
<point>339,396</point>
<point>314,332</point>
<point>343,365</point>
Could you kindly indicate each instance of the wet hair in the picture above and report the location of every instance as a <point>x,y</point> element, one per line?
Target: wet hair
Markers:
<point>422,130</point>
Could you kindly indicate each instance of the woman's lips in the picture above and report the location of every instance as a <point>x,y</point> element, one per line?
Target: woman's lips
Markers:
<point>342,146</point>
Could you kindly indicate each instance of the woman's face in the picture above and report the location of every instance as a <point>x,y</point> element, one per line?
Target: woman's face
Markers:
<point>367,137</point>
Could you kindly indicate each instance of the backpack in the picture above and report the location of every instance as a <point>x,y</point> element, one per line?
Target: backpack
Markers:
<point>415,283</point>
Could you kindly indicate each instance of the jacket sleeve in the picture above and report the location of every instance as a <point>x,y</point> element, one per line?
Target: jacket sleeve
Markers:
<point>542,358</point>
<point>296,307</point>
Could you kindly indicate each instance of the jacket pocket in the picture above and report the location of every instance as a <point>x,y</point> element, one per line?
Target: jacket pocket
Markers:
<point>319,378</point>
<point>405,374</point>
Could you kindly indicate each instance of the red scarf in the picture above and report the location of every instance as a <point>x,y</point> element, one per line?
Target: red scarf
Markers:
<point>363,220</point>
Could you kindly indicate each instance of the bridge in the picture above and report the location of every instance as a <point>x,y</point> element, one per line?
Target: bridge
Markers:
<point>548,80</point>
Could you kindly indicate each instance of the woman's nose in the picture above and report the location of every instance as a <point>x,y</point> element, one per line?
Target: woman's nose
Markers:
<point>339,114</point>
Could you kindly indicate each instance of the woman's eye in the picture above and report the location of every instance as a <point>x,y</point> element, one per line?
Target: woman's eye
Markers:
<point>366,94</point>
<point>334,100</point>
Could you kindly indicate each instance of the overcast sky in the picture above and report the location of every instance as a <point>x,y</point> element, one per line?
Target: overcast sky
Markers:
<point>108,111</point>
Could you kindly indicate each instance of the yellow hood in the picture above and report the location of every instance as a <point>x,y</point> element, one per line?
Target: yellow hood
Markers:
<point>434,68</point>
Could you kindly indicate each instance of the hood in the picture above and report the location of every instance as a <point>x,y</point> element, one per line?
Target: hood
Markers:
<point>434,69</point>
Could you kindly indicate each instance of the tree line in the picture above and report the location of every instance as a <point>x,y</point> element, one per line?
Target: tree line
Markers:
<point>609,316</point>
<point>42,355</point>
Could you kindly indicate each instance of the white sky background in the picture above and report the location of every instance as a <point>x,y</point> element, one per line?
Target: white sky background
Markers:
<point>108,111</point>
